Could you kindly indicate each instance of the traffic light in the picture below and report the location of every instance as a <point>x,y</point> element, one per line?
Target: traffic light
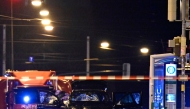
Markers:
<point>176,44</point>
<point>177,48</point>
<point>172,6</point>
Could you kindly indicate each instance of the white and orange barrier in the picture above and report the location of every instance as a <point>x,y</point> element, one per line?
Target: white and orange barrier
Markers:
<point>97,78</point>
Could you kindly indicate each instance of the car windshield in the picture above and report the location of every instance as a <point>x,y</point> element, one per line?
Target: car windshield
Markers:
<point>89,96</point>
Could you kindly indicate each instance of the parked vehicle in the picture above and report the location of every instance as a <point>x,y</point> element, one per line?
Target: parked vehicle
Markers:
<point>32,93</point>
<point>89,95</point>
<point>93,95</point>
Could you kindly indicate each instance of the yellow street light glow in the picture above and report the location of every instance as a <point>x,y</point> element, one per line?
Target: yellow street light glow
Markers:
<point>36,2</point>
<point>45,21</point>
<point>44,12</point>
<point>144,50</point>
<point>49,28</point>
<point>104,45</point>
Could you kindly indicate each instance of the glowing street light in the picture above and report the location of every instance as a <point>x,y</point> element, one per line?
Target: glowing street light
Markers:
<point>36,2</point>
<point>144,50</point>
<point>49,28</point>
<point>45,21</point>
<point>44,12</point>
<point>104,45</point>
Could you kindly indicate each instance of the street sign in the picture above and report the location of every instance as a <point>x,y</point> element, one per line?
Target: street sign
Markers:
<point>171,69</point>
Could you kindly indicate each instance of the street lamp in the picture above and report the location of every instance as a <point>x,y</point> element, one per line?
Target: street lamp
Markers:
<point>144,50</point>
<point>104,45</point>
<point>44,12</point>
<point>36,2</point>
<point>45,21</point>
<point>49,28</point>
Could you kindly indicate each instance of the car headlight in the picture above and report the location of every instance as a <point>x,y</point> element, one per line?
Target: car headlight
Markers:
<point>73,108</point>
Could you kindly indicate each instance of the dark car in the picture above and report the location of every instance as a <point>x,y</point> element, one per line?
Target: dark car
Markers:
<point>89,95</point>
<point>93,95</point>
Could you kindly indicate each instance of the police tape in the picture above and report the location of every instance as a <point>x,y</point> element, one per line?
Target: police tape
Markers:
<point>98,78</point>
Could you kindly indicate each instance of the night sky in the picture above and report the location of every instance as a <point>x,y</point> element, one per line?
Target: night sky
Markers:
<point>127,25</point>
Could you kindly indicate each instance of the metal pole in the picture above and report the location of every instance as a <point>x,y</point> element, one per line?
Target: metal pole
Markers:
<point>7,84</point>
<point>4,50</point>
<point>88,56</point>
<point>56,84</point>
<point>183,52</point>
<point>12,52</point>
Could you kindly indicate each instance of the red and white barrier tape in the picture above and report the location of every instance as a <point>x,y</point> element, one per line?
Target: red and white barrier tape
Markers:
<point>97,78</point>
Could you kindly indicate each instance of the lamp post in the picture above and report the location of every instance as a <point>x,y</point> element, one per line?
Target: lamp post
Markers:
<point>4,51</point>
<point>88,57</point>
<point>12,49</point>
<point>183,52</point>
